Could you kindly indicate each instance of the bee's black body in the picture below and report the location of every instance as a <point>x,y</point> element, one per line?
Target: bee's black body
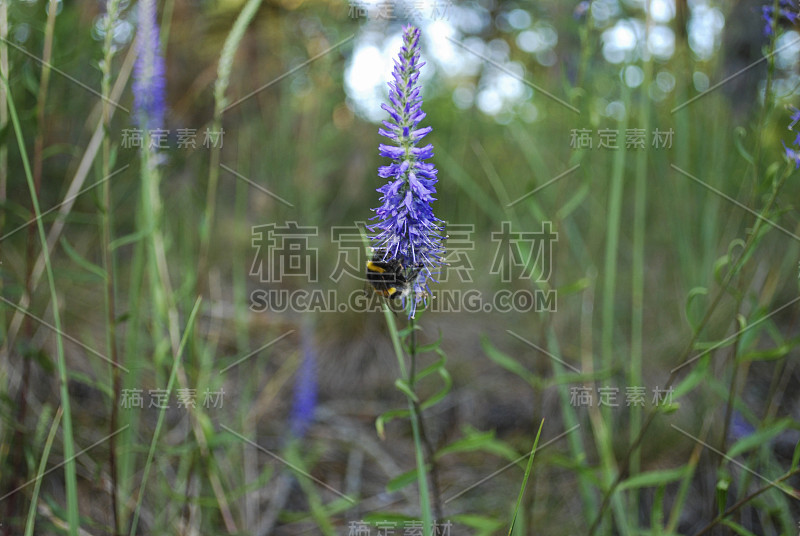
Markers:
<point>388,277</point>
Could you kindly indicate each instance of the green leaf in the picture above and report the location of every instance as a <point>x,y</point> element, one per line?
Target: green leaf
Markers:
<point>510,364</point>
<point>697,375</point>
<point>484,525</point>
<point>766,355</point>
<point>436,398</point>
<point>759,438</point>
<point>403,386</point>
<point>575,287</point>
<point>42,464</point>
<point>708,346</point>
<point>392,517</point>
<point>693,294</point>
<point>653,478</point>
<point>430,369</point>
<point>737,528</point>
<point>476,440</point>
<point>80,261</point>
<point>430,347</point>
<point>469,186</point>
<point>575,378</point>
<point>573,202</point>
<point>727,259</point>
<point>387,417</point>
<point>740,134</point>
<point>525,478</point>
<point>40,356</point>
<point>401,481</point>
<point>127,239</point>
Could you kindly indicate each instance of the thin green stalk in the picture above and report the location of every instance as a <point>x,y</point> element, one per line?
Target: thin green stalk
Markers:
<point>166,24</point>
<point>637,269</point>
<point>38,149</point>
<point>166,310</point>
<point>3,108</point>
<point>765,110</point>
<point>612,242</point>
<point>587,48</point>
<point>604,427</point>
<point>690,346</point>
<point>108,260</point>
<point>733,385</point>
<point>686,252</point>
<point>746,500</point>
<point>754,188</point>
<point>41,100</point>
<point>422,480</point>
<point>133,349</point>
<point>223,80</point>
<point>239,272</point>
<point>160,288</point>
<point>430,453</point>
<point>525,478</point>
<point>40,473</point>
<point>30,246</point>
<point>570,419</point>
<point>69,446</point>
<point>173,373</point>
<point>3,150</point>
<point>395,338</point>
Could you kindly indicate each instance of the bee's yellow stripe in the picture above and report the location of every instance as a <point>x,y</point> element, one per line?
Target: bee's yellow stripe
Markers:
<point>372,267</point>
<point>391,291</point>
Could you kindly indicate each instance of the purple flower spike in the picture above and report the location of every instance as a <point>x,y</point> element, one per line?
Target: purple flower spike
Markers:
<point>407,228</point>
<point>149,85</point>
<point>786,11</point>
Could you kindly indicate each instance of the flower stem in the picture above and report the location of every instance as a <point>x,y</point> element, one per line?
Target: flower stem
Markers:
<point>429,451</point>
<point>422,481</point>
<point>108,260</point>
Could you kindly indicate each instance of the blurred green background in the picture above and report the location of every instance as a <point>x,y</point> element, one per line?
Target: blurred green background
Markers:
<point>683,248</point>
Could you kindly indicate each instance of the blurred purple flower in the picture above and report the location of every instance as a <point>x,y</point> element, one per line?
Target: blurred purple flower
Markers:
<point>786,11</point>
<point>304,401</point>
<point>581,10</point>
<point>407,227</point>
<point>149,85</point>
<point>740,428</point>
<point>795,117</point>
<point>793,152</point>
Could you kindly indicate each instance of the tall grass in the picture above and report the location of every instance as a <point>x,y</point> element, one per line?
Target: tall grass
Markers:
<point>653,270</point>
<point>109,268</point>
<point>68,437</point>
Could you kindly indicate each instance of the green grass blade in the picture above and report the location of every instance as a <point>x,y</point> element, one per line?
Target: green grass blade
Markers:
<point>161,413</point>
<point>40,473</point>
<point>525,478</point>
<point>70,478</point>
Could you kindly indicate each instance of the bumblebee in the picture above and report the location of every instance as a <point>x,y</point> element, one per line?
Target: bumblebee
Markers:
<point>389,278</point>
